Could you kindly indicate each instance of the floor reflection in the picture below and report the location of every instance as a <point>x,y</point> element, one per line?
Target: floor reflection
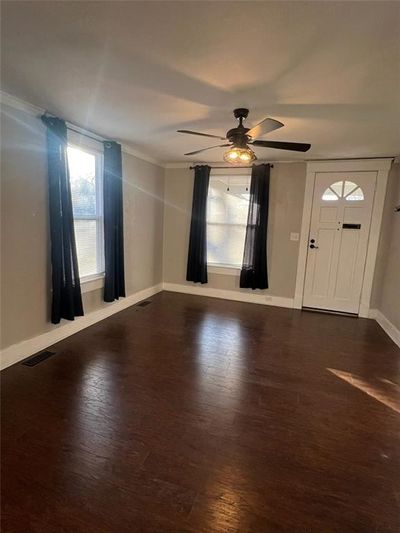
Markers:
<point>97,416</point>
<point>221,345</point>
<point>219,335</point>
<point>380,389</point>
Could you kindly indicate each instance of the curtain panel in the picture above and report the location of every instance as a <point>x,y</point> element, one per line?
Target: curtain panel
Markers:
<point>197,254</point>
<point>114,281</point>
<point>254,273</point>
<point>66,290</point>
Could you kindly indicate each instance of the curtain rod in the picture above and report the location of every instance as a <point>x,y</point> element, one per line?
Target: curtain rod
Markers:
<point>192,167</point>
<point>89,135</point>
<point>101,140</point>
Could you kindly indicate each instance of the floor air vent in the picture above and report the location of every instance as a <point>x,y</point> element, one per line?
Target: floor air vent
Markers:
<point>144,304</point>
<point>38,358</point>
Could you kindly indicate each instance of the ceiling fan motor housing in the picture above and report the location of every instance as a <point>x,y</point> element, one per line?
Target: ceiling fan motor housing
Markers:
<point>241,113</point>
<point>237,135</point>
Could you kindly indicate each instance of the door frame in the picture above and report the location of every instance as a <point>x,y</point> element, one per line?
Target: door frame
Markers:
<point>381,167</point>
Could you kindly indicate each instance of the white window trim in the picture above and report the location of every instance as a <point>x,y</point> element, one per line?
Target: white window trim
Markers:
<point>75,140</point>
<point>92,283</point>
<point>228,270</point>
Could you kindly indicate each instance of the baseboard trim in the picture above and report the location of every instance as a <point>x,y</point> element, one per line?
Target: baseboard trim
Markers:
<point>16,352</point>
<point>201,290</point>
<point>389,328</point>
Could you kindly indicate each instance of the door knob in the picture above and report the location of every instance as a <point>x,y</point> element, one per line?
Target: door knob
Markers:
<point>313,246</point>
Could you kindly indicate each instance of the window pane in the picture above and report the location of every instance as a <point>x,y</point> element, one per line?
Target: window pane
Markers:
<point>237,207</point>
<point>225,244</point>
<point>82,171</point>
<point>216,209</point>
<point>227,209</point>
<point>86,246</point>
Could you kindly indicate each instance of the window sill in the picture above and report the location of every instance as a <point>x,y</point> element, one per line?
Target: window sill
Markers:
<point>92,283</point>
<point>227,270</point>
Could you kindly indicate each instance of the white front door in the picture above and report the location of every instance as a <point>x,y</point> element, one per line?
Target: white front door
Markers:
<point>338,240</point>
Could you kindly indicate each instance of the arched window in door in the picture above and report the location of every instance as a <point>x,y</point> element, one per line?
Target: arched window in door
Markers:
<point>348,190</point>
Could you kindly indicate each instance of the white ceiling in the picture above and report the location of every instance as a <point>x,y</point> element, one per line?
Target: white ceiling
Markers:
<point>138,71</point>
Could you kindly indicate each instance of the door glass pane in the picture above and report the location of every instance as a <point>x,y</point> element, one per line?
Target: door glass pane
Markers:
<point>86,246</point>
<point>329,195</point>
<point>355,196</point>
<point>337,188</point>
<point>348,187</point>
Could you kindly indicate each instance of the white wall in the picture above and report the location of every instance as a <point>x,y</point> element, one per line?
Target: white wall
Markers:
<point>25,271</point>
<point>386,289</point>
<point>286,206</point>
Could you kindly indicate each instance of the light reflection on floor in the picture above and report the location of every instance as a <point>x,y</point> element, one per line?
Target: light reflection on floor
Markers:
<point>219,334</point>
<point>381,390</point>
<point>98,400</point>
<point>224,512</point>
<point>217,338</point>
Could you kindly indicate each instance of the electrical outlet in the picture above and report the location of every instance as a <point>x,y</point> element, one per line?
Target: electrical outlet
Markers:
<point>294,236</point>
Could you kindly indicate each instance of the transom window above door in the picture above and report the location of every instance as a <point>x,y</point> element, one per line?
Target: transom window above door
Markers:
<point>348,190</point>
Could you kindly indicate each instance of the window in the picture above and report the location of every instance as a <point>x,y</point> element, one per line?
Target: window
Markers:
<point>227,208</point>
<point>348,190</point>
<point>85,168</point>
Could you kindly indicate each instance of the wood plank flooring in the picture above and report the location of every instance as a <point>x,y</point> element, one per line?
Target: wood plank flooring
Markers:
<point>201,415</point>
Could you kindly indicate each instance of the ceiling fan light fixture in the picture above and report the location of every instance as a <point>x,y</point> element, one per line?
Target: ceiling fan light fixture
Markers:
<point>239,156</point>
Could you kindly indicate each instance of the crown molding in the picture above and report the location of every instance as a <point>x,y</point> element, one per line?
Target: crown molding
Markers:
<point>128,149</point>
<point>187,164</point>
<point>34,110</point>
<point>348,165</point>
<point>19,104</point>
<point>179,165</point>
<point>375,163</point>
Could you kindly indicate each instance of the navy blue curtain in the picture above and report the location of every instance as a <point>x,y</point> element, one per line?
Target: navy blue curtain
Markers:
<point>114,282</point>
<point>197,255</point>
<point>66,289</point>
<point>254,274</point>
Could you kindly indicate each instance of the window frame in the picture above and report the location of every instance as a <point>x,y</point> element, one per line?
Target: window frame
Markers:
<point>93,281</point>
<point>224,268</point>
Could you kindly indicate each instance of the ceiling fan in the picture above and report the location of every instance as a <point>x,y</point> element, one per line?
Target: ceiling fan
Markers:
<point>240,138</point>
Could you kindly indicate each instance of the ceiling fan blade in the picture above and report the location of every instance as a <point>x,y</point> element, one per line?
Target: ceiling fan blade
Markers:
<point>202,134</point>
<point>296,147</point>
<point>263,127</point>
<point>209,148</point>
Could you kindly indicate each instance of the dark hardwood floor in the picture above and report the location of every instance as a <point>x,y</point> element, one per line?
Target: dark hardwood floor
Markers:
<point>196,414</point>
